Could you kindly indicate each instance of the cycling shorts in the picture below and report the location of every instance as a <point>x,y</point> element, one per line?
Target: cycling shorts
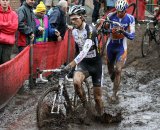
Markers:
<point>91,69</point>
<point>116,51</point>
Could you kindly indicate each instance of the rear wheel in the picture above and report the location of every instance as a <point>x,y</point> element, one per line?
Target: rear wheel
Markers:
<point>146,44</point>
<point>157,36</point>
<point>44,115</point>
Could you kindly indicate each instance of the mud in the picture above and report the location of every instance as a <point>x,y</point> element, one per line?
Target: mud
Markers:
<point>139,97</point>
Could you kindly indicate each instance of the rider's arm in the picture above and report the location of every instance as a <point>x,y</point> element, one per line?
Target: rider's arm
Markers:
<point>83,53</point>
<point>131,34</point>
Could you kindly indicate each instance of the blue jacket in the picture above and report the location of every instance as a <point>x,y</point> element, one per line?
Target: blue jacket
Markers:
<point>57,20</point>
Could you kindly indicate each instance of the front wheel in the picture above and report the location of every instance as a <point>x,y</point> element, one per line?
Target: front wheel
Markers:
<point>146,43</point>
<point>45,110</point>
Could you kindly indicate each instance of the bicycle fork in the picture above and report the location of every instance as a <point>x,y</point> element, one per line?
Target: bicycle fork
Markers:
<point>59,101</point>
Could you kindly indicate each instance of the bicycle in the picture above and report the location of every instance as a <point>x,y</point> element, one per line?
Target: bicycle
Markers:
<point>150,34</point>
<point>56,105</point>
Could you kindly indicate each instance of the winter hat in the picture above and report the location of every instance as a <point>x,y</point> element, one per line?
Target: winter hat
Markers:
<point>40,7</point>
<point>63,3</point>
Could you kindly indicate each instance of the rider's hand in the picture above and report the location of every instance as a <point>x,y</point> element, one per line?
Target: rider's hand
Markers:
<point>114,30</point>
<point>41,29</point>
<point>121,30</point>
<point>59,38</point>
<point>70,66</point>
<point>67,68</point>
<point>57,33</point>
<point>69,27</point>
<point>118,30</point>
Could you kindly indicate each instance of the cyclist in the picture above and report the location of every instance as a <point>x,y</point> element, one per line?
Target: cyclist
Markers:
<point>117,43</point>
<point>88,61</point>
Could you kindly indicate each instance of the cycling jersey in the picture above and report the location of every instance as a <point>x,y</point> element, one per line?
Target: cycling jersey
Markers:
<point>88,60</point>
<point>86,46</point>
<point>117,43</point>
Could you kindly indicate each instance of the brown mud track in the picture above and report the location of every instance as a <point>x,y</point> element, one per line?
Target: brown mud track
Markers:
<point>138,106</point>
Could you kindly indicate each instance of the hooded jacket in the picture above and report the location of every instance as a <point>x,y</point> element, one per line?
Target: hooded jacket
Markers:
<point>8,26</point>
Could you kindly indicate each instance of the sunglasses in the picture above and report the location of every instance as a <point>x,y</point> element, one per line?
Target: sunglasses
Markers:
<point>121,12</point>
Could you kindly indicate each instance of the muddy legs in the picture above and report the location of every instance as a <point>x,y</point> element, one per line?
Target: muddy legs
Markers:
<point>116,77</point>
<point>97,91</point>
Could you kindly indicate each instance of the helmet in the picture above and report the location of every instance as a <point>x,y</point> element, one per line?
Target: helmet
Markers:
<point>77,9</point>
<point>121,5</point>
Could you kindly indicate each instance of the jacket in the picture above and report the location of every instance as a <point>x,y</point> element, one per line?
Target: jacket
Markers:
<point>8,26</point>
<point>48,30</point>
<point>57,20</point>
<point>41,37</point>
<point>26,24</point>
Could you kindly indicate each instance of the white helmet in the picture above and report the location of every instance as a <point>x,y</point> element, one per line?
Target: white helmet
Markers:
<point>121,5</point>
<point>77,9</point>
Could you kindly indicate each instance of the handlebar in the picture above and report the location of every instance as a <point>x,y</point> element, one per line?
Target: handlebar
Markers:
<point>106,21</point>
<point>44,71</point>
<point>113,22</point>
<point>146,21</point>
<point>58,71</point>
<point>102,22</point>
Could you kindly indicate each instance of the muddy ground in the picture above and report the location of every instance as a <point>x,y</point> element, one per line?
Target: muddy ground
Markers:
<point>139,97</point>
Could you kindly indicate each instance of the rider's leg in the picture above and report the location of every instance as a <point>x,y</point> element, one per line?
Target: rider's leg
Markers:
<point>97,91</point>
<point>110,58</point>
<point>117,80</point>
<point>111,71</point>
<point>78,80</point>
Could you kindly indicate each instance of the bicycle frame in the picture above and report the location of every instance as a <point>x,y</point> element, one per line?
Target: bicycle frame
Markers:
<point>61,82</point>
<point>61,85</point>
<point>61,90</point>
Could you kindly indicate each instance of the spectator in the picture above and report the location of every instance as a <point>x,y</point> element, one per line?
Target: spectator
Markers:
<point>95,14</point>
<point>26,25</point>
<point>49,4</point>
<point>57,19</point>
<point>8,27</point>
<point>42,25</point>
